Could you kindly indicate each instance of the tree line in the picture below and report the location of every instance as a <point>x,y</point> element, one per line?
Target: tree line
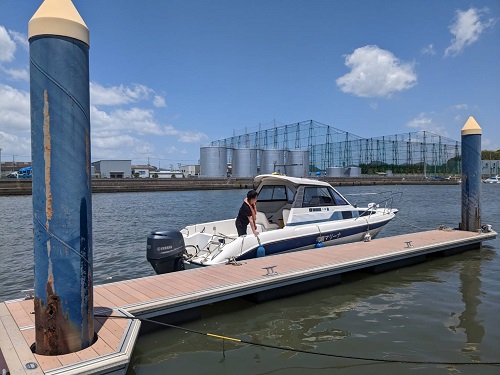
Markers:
<point>490,155</point>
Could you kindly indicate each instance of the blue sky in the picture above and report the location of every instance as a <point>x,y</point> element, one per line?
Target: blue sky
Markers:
<point>170,76</point>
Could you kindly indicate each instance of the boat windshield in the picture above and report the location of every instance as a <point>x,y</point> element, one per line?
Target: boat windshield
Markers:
<point>338,198</point>
<point>315,196</point>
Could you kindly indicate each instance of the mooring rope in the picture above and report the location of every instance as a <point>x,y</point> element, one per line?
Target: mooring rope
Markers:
<point>399,218</point>
<point>295,350</point>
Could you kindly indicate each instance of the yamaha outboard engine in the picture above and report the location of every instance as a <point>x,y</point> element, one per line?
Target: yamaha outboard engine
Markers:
<point>165,249</point>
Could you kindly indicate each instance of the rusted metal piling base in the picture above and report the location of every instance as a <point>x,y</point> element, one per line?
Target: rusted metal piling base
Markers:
<point>179,295</point>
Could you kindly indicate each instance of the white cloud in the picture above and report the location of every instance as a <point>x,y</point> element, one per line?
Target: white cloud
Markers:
<point>421,122</point>
<point>14,110</point>
<point>192,137</point>
<point>117,95</point>
<point>428,50</point>
<point>119,146</point>
<point>16,74</point>
<point>376,72</point>
<point>174,150</point>
<point>460,106</point>
<point>7,46</point>
<point>115,142</point>
<point>126,146</point>
<point>137,121</point>
<point>16,145</point>
<point>120,95</point>
<point>20,38</point>
<point>466,29</point>
<point>184,136</point>
<point>8,40</point>
<point>424,121</point>
<point>159,101</point>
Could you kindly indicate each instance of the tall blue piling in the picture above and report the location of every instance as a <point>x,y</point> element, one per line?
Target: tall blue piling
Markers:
<point>62,205</point>
<point>471,176</point>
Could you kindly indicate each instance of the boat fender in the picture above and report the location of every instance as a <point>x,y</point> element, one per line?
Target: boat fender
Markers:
<point>319,240</point>
<point>367,237</point>
<point>261,251</point>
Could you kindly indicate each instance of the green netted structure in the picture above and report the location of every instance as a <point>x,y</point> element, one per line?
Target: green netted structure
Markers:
<point>420,152</point>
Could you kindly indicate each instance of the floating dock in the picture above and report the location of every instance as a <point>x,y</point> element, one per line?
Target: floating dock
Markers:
<point>167,295</point>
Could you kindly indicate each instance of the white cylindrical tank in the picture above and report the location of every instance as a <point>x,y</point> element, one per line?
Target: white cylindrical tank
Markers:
<point>213,161</point>
<point>353,172</point>
<point>335,172</point>
<point>244,162</point>
<point>272,160</point>
<point>297,163</point>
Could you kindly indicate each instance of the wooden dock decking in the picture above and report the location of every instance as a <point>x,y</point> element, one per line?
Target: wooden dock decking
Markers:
<point>164,294</point>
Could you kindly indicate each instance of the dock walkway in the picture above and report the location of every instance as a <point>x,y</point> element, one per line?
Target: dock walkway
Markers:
<point>259,279</point>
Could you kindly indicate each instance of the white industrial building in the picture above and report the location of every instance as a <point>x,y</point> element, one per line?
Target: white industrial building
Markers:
<point>490,167</point>
<point>190,170</point>
<point>113,168</point>
<point>167,174</point>
<point>143,171</point>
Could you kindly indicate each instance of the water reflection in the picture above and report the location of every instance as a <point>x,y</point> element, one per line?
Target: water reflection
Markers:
<point>470,288</point>
<point>379,315</point>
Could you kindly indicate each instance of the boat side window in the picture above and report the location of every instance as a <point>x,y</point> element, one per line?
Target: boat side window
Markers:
<point>350,214</point>
<point>338,198</point>
<point>272,193</point>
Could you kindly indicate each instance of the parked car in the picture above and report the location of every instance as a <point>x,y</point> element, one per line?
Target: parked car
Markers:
<point>26,172</point>
<point>12,175</point>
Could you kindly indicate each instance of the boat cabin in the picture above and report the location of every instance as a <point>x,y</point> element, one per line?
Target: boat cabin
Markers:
<point>278,195</point>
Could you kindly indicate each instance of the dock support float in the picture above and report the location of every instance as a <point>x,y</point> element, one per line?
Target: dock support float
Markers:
<point>62,206</point>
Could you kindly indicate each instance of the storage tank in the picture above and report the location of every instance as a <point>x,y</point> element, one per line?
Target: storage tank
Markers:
<point>213,161</point>
<point>353,172</point>
<point>335,172</point>
<point>244,162</point>
<point>272,160</point>
<point>297,163</point>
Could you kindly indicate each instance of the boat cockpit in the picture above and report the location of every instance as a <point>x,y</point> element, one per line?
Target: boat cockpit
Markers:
<point>277,197</point>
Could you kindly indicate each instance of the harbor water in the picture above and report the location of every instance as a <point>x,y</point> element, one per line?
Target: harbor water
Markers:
<point>444,310</point>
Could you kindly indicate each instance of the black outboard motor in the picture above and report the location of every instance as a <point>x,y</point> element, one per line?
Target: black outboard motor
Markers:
<point>164,251</point>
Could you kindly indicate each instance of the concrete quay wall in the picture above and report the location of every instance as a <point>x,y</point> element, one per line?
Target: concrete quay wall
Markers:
<point>117,185</point>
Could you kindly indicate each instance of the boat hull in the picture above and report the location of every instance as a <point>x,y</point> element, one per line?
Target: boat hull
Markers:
<point>294,239</point>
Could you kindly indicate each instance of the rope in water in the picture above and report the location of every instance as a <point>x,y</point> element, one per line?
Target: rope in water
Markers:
<point>371,359</point>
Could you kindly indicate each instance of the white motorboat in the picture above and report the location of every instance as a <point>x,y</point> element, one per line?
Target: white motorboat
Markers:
<point>492,180</point>
<point>292,214</point>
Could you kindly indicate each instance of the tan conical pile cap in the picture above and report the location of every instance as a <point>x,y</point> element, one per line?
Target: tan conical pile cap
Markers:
<point>58,17</point>
<point>471,127</point>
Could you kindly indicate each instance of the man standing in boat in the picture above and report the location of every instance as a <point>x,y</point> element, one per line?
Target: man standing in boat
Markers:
<point>247,214</point>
